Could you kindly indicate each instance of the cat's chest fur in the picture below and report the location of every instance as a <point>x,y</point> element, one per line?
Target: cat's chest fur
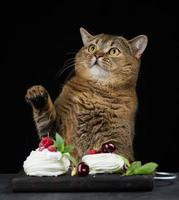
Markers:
<point>90,115</point>
<point>85,106</point>
<point>100,103</point>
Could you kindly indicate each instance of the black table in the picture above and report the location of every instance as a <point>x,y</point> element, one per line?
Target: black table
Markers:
<point>161,191</point>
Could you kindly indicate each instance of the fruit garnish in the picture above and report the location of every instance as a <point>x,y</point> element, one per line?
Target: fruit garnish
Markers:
<point>41,145</point>
<point>46,142</point>
<point>82,169</point>
<point>57,144</point>
<point>41,148</point>
<point>91,151</point>
<point>52,148</point>
<point>108,148</point>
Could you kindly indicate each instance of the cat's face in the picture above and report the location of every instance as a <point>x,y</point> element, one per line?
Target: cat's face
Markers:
<point>109,59</point>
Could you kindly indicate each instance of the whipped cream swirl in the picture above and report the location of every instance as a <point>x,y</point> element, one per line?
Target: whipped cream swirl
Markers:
<point>46,163</point>
<point>103,162</point>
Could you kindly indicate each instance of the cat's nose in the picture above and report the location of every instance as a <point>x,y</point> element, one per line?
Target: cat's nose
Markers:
<point>99,54</point>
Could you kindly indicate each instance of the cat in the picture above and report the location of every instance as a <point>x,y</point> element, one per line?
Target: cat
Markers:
<point>99,103</point>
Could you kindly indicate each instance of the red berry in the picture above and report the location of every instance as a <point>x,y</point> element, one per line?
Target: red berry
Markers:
<point>91,151</point>
<point>41,148</point>
<point>108,148</point>
<point>46,142</point>
<point>52,148</point>
<point>82,169</point>
<point>41,145</point>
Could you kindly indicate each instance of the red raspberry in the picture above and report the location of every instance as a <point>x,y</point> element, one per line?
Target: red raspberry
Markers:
<point>52,148</point>
<point>91,151</point>
<point>46,142</point>
<point>41,148</point>
<point>41,145</point>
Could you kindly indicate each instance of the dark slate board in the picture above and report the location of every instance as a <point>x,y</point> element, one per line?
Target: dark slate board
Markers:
<point>90,183</point>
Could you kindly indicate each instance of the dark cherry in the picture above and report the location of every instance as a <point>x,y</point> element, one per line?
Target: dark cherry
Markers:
<point>108,148</point>
<point>83,169</point>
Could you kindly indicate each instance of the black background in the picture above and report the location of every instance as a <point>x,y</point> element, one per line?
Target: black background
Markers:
<point>37,38</point>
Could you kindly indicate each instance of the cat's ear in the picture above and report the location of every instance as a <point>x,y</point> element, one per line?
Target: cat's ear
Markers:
<point>86,37</point>
<point>139,44</point>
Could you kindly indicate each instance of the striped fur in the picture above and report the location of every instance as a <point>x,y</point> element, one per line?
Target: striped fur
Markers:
<point>99,103</point>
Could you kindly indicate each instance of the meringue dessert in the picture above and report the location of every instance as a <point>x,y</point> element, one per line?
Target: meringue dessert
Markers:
<point>46,163</point>
<point>103,162</point>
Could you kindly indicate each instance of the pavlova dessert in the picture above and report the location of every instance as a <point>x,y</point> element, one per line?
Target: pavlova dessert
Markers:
<point>51,158</point>
<point>106,161</point>
<point>100,162</point>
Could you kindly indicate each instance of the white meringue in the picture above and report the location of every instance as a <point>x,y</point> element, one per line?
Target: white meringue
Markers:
<point>103,162</point>
<point>46,163</point>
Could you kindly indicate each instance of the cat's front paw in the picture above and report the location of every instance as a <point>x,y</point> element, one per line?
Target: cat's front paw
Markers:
<point>37,96</point>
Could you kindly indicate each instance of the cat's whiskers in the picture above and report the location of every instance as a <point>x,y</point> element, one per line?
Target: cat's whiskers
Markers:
<point>64,69</point>
<point>69,75</point>
<point>68,62</point>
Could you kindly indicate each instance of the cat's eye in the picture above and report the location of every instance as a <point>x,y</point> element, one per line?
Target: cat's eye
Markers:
<point>92,48</point>
<point>114,51</point>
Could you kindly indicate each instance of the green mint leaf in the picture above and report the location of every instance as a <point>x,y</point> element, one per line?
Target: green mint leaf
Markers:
<point>71,158</point>
<point>59,142</point>
<point>68,149</point>
<point>135,165</point>
<point>148,168</point>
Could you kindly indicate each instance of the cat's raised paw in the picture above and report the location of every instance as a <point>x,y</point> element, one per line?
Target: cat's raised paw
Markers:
<point>37,96</point>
